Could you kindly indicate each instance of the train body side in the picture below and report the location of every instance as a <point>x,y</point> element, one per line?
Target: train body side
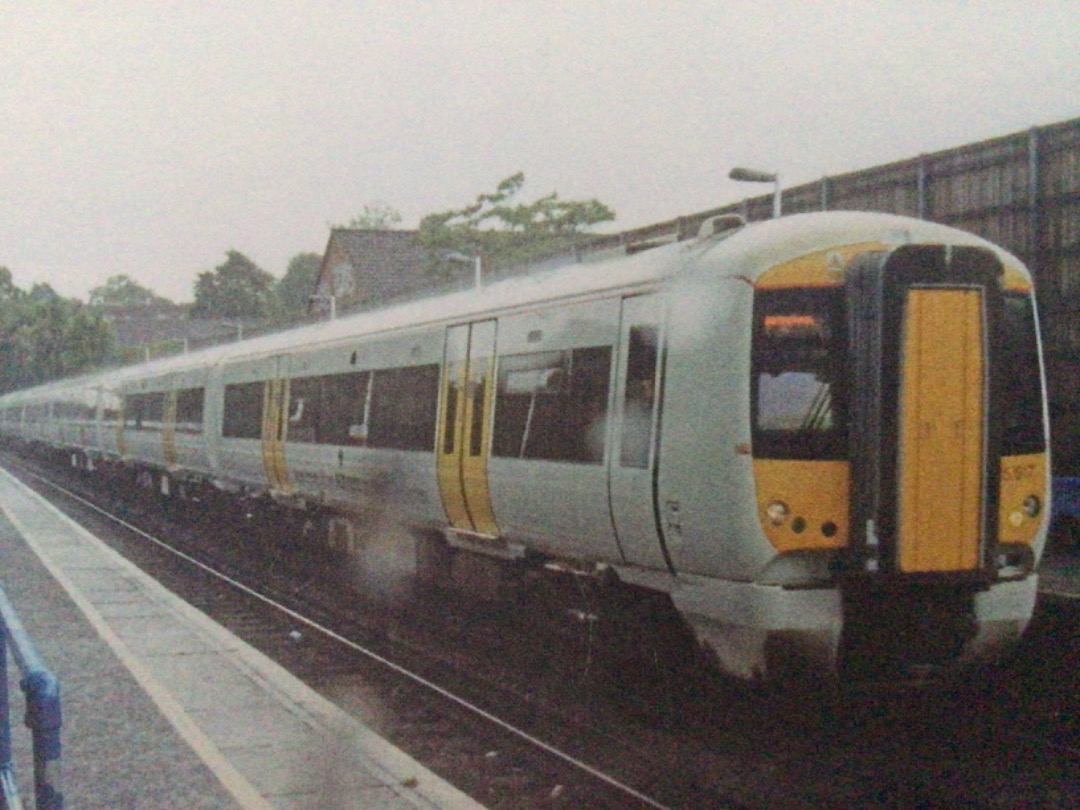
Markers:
<point>618,423</point>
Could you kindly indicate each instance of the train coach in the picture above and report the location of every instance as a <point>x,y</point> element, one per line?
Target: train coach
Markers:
<point>823,436</point>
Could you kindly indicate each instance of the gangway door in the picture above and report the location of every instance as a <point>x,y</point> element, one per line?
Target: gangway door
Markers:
<point>923,449</point>
<point>941,430</point>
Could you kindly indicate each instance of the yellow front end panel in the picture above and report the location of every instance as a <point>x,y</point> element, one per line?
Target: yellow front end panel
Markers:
<point>1023,498</point>
<point>941,431</point>
<point>814,496</point>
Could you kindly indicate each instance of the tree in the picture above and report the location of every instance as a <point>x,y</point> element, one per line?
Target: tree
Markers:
<point>44,336</point>
<point>122,292</point>
<point>504,232</point>
<point>298,283</point>
<point>238,288</point>
<point>8,290</point>
<point>375,217</point>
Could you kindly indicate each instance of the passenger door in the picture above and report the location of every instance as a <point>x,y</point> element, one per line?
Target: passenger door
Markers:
<point>633,456</point>
<point>464,440</point>
<point>168,429</point>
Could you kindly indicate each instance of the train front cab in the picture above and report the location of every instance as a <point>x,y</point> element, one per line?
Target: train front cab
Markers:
<point>900,454</point>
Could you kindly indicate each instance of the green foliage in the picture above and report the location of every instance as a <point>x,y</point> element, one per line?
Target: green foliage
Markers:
<point>375,217</point>
<point>8,290</point>
<point>238,288</point>
<point>298,284</point>
<point>44,336</point>
<point>505,232</point>
<point>122,292</point>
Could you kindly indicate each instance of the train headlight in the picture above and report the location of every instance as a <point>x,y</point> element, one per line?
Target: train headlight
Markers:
<point>1032,506</point>
<point>777,512</point>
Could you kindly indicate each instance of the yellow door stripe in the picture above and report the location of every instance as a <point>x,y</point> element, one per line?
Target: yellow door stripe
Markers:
<point>474,449</point>
<point>468,395</point>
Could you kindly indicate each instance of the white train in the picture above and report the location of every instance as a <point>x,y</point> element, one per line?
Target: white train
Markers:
<point>824,436</point>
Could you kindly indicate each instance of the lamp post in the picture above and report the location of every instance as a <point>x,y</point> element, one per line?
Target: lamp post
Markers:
<point>756,176</point>
<point>473,260</point>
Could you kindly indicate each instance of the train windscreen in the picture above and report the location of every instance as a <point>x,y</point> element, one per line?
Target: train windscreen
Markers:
<point>799,356</point>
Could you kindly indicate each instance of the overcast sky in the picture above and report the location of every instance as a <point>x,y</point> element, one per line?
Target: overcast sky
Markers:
<point>149,138</point>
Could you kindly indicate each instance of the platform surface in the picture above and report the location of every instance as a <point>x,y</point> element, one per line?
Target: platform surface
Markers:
<point>1059,575</point>
<point>164,708</point>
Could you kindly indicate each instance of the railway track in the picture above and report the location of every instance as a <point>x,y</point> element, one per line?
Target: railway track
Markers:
<point>469,729</point>
<point>522,707</point>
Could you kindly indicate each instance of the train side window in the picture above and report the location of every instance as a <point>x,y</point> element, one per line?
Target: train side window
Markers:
<point>305,406</point>
<point>112,409</point>
<point>243,411</point>
<point>404,406</point>
<point>329,409</point>
<point>343,413</point>
<point>144,411</point>
<point>189,410</point>
<point>1020,413</point>
<point>74,412</point>
<point>639,398</point>
<point>553,405</point>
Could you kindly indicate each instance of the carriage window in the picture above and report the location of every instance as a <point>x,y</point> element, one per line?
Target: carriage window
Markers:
<point>243,411</point>
<point>305,402</point>
<point>640,397</point>
<point>112,407</point>
<point>144,411</point>
<point>330,409</point>
<point>189,410</point>
<point>404,404</point>
<point>344,414</point>
<point>553,405</point>
<point>798,361</point>
<point>1020,413</point>
<point>74,412</point>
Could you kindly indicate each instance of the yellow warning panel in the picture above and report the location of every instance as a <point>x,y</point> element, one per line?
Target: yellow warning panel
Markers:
<point>1022,502</point>
<point>942,412</point>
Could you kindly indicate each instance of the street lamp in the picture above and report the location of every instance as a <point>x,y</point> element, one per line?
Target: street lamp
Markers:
<point>454,256</point>
<point>756,176</point>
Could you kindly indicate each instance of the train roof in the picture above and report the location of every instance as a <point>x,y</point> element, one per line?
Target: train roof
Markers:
<point>758,247</point>
<point>746,251</point>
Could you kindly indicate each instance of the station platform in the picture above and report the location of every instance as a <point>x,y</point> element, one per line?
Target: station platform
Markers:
<point>1059,575</point>
<point>163,708</point>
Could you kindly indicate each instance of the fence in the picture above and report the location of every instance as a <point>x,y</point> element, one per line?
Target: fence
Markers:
<point>42,692</point>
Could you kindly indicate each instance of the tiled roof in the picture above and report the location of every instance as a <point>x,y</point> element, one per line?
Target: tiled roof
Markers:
<point>385,264</point>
